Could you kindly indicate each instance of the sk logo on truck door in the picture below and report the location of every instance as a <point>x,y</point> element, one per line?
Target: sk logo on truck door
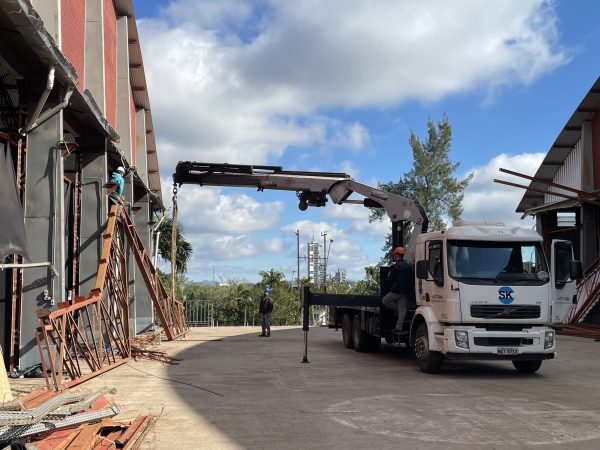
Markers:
<point>505,295</point>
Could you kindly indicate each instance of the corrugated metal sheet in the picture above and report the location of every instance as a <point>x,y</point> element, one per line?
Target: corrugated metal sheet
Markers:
<point>562,148</point>
<point>569,174</point>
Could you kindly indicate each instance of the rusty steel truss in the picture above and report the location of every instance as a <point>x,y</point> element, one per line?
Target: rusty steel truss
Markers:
<point>91,336</point>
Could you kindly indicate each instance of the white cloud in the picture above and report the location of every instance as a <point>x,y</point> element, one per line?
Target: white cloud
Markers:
<point>241,82</point>
<point>274,245</point>
<point>486,200</point>
<point>207,210</point>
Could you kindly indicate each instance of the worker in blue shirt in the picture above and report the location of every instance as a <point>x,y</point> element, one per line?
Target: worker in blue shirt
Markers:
<point>117,178</point>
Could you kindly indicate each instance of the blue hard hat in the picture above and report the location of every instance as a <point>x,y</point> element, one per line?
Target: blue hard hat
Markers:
<point>267,290</point>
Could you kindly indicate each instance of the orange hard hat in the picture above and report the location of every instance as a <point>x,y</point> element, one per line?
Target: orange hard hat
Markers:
<point>399,250</point>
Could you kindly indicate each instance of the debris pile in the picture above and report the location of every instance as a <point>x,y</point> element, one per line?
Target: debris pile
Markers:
<point>142,346</point>
<point>45,420</point>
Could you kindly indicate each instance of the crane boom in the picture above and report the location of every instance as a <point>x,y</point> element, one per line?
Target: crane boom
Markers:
<point>312,189</point>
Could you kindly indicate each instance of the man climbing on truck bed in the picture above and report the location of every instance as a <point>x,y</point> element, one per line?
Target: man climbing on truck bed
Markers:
<point>401,276</point>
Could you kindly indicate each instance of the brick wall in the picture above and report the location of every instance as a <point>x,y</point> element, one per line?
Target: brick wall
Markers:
<point>110,61</point>
<point>73,36</point>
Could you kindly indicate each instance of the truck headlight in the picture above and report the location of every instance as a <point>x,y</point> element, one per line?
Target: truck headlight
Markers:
<point>549,339</point>
<point>461,338</point>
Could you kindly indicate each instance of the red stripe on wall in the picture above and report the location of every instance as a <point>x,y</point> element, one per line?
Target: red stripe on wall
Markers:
<point>72,35</point>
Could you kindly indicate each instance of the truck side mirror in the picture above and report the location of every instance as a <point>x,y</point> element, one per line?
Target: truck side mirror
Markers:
<point>576,270</point>
<point>423,269</point>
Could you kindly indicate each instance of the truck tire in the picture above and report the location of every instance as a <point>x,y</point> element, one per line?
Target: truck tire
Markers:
<point>359,337</point>
<point>429,361</point>
<point>374,343</point>
<point>347,331</point>
<point>527,366</point>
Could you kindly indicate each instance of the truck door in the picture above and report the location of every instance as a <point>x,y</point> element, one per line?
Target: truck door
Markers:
<point>563,288</point>
<point>434,285</point>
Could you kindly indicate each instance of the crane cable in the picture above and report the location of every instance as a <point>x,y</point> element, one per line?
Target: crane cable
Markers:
<point>174,242</point>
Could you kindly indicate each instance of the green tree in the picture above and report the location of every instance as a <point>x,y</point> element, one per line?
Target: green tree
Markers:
<point>431,181</point>
<point>286,307</point>
<point>184,249</point>
<point>370,284</point>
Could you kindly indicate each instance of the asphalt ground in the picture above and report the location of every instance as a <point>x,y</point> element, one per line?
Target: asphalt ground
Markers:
<point>233,389</point>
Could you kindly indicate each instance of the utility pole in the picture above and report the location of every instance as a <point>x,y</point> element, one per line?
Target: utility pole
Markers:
<point>298,259</point>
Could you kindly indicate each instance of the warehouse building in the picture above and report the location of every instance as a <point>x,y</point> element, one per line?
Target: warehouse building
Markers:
<point>73,107</point>
<point>564,197</point>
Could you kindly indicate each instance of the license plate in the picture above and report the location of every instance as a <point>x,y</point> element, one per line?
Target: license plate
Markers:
<point>507,351</point>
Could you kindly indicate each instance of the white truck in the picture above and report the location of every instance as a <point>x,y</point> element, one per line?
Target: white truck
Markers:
<point>482,290</point>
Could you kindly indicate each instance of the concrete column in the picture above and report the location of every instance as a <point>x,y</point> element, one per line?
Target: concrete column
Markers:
<point>94,173</point>
<point>123,121</point>
<point>94,51</point>
<point>49,12</point>
<point>141,156</point>
<point>44,225</point>
<point>144,309</point>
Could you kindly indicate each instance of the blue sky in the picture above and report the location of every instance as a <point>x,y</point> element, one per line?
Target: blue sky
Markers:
<point>337,86</point>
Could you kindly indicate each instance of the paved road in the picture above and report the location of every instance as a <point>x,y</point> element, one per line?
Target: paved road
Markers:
<point>233,389</point>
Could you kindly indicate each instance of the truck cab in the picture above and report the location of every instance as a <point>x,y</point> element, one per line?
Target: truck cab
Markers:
<point>485,291</point>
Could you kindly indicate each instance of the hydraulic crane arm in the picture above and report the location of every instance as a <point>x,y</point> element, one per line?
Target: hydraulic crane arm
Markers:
<point>312,189</point>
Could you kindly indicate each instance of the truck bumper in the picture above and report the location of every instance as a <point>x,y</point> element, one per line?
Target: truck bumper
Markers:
<point>527,344</point>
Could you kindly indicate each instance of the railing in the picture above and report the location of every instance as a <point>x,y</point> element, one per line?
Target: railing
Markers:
<point>199,313</point>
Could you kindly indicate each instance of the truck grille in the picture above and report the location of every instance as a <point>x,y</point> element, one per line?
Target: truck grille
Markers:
<point>502,341</point>
<point>505,311</point>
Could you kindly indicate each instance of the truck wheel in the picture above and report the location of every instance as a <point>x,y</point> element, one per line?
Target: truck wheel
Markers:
<point>527,366</point>
<point>347,331</point>
<point>429,361</point>
<point>374,343</point>
<point>359,337</point>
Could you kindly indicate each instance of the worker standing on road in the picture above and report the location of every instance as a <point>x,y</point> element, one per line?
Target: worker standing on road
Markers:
<point>265,308</point>
<point>401,276</point>
<point>117,178</point>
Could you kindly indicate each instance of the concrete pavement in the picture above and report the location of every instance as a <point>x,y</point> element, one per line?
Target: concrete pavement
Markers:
<point>233,389</point>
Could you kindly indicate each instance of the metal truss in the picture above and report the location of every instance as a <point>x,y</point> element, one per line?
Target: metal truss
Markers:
<point>91,336</point>
<point>588,294</point>
<point>170,311</point>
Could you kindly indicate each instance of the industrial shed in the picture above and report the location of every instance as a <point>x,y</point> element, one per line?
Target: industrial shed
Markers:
<point>74,106</point>
<point>564,197</point>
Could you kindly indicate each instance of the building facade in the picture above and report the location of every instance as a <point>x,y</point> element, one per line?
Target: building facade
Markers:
<point>564,194</point>
<point>74,106</point>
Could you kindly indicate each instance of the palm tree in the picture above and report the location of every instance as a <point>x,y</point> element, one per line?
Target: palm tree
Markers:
<point>184,249</point>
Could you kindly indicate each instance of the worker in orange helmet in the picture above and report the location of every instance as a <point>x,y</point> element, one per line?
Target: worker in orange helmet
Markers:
<point>402,279</point>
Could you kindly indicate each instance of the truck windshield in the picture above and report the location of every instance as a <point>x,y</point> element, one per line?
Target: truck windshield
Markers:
<point>480,262</point>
